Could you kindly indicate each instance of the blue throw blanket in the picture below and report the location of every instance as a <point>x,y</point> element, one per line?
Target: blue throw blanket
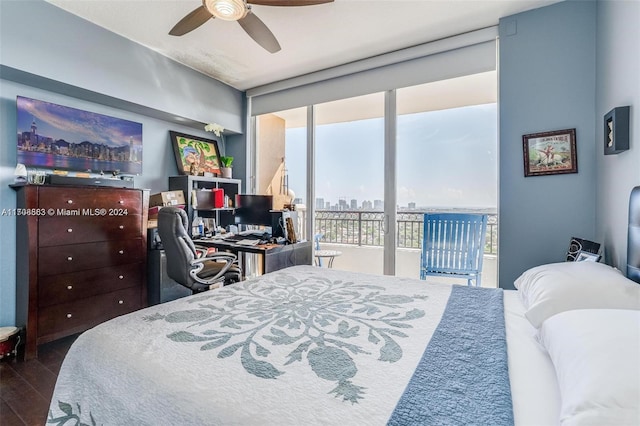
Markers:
<point>463,377</point>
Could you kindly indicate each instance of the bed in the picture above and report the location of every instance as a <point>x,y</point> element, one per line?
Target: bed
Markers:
<point>308,345</point>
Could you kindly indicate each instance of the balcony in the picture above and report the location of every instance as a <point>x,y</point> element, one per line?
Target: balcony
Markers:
<point>358,234</point>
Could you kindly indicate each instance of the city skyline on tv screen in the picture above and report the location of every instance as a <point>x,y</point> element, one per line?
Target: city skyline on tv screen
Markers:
<point>54,136</point>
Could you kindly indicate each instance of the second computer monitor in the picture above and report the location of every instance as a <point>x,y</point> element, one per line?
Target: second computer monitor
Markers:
<point>253,209</point>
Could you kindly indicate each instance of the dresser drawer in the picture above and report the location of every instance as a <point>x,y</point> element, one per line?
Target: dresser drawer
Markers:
<point>79,257</point>
<point>54,231</point>
<point>73,198</point>
<point>86,313</point>
<point>63,288</point>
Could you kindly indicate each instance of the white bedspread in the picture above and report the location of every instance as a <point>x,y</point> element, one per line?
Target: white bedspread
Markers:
<point>304,346</point>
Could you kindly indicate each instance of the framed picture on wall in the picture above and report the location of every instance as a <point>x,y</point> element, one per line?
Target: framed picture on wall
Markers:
<point>195,155</point>
<point>550,153</point>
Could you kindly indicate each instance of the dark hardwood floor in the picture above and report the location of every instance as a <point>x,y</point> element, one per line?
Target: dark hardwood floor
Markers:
<point>26,386</point>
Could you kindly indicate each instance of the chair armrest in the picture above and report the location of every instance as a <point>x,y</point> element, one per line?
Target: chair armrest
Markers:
<point>197,266</point>
<point>201,250</point>
<point>222,255</point>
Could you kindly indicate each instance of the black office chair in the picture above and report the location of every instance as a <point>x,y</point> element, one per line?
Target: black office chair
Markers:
<point>186,264</point>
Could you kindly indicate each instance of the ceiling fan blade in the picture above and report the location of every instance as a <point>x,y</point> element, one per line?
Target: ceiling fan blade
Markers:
<point>192,21</point>
<point>288,2</point>
<point>258,31</point>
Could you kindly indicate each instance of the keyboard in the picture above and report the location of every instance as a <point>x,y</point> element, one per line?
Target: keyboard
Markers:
<point>240,237</point>
<point>248,242</point>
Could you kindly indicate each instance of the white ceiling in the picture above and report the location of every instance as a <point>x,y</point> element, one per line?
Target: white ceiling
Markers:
<point>312,37</point>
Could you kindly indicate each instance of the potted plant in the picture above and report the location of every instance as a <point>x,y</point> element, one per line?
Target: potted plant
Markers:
<point>226,166</point>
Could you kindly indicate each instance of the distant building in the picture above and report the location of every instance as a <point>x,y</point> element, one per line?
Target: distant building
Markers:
<point>367,205</point>
<point>342,204</point>
<point>354,204</point>
<point>320,205</point>
<point>412,206</point>
<point>378,205</point>
<point>327,205</point>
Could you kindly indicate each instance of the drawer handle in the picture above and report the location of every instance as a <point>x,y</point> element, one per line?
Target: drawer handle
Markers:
<point>121,202</point>
<point>120,302</point>
<point>69,258</point>
<point>69,315</point>
<point>70,230</point>
<point>69,201</point>
<point>121,251</point>
<point>121,226</point>
<point>120,277</point>
<point>69,287</point>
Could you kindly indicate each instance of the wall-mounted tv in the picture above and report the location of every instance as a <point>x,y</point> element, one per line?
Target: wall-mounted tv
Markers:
<point>59,137</point>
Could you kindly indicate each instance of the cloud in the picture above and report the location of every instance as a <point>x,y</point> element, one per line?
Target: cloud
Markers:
<point>406,195</point>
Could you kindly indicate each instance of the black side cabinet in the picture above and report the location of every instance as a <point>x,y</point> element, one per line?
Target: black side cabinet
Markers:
<point>161,288</point>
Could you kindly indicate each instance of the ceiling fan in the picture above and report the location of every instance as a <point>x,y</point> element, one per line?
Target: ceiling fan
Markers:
<point>240,11</point>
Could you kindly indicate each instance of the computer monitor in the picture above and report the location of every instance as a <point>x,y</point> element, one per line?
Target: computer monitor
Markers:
<point>253,209</point>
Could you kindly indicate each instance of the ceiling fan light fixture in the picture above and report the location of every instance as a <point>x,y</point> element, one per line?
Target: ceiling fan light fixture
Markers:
<point>227,10</point>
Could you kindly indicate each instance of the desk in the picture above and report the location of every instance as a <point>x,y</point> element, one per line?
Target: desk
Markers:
<point>274,256</point>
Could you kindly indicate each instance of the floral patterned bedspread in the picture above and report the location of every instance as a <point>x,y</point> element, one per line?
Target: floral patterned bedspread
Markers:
<point>300,346</point>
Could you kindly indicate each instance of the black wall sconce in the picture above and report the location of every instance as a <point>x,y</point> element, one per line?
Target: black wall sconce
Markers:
<point>616,130</point>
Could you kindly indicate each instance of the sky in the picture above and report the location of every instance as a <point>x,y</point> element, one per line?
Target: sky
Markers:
<point>445,158</point>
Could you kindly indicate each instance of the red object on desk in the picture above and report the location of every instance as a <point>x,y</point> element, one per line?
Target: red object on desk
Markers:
<point>218,198</point>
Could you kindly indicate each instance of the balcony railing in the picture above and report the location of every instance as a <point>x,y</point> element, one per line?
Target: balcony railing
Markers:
<point>365,228</point>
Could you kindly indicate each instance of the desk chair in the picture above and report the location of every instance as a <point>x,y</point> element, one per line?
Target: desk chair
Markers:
<point>187,265</point>
<point>453,246</point>
<point>322,254</point>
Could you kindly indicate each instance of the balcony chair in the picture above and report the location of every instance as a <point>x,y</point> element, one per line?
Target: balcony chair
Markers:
<point>322,254</point>
<point>453,246</point>
<point>188,265</point>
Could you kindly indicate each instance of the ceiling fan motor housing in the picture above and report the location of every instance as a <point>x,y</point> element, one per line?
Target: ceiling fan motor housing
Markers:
<point>227,10</point>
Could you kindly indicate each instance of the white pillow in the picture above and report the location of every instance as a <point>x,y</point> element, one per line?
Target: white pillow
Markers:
<point>596,354</point>
<point>557,287</point>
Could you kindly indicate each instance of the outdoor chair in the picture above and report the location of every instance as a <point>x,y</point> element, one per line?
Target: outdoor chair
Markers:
<point>453,246</point>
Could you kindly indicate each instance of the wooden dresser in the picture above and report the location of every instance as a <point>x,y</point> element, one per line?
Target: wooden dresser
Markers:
<point>81,258</point>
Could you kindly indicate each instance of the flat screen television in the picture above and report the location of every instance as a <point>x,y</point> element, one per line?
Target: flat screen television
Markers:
<point>253,209</point>
<point>53,136</point>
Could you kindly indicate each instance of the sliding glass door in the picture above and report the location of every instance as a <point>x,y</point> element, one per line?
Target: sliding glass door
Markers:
<point>447,162</point>
<point>369,167</point>
<point>281,152</point>
<point>349,181</point>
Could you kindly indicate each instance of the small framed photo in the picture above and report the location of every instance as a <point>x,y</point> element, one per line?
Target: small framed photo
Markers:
<point>550,153</point>
<point>585,256</point>
<point>195,155</point>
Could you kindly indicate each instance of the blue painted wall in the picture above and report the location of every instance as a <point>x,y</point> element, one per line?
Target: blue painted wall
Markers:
<point>547,81</point>
<point>49,54</point>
